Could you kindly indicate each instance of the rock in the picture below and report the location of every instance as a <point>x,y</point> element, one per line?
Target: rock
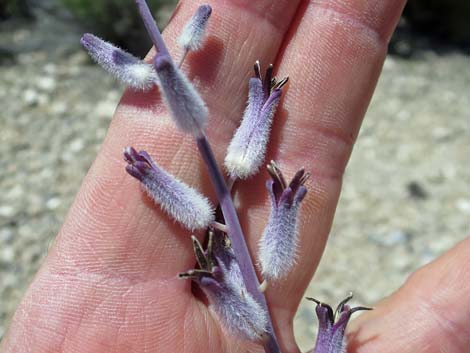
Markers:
<point>105,109</point>
<point>46,83</point>
<point>7,211</point>
<point>6,235</point>
<point>7,254</point>
<point>390,239</point>
<point>416,190</point>
<point>463,205</point>
<point>77,145</point>
<point>79,58</point>
<point>30,97</point>
<point>53,203</point>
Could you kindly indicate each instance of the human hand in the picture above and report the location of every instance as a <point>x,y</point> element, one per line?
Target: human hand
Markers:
<point>109,282</point>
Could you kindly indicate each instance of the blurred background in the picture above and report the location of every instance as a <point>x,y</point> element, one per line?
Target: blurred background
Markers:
<point>406,196</point>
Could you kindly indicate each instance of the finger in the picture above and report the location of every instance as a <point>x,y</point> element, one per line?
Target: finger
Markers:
<point>333,55</point>
<point>429,314</point>
<point>116,252</point>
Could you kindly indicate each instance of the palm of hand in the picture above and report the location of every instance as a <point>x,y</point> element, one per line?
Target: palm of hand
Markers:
<point>109,282</point>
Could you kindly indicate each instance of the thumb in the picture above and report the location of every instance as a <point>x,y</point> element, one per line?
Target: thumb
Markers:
<point>430,313</point>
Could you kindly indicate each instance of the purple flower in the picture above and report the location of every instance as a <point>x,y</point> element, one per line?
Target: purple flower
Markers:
<point>192,36</point>
<point>278,243</point>
<point>247,150</point>
<point>122,65</point>
<point>332,325</point>
<point>221,279</point>
<point>178,200</point>
<point>186,105</point>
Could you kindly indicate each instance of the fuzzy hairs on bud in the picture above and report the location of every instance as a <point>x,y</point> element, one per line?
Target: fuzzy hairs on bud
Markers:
<point>193,33</point>
<point>279,241</point>
<point>181,202</point>
<point>186,105</point>
<point>246,152</point>
<point>128,69</point>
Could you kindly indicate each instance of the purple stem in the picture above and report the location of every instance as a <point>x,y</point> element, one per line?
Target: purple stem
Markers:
<point>236,235</point>
<point>151,27</point>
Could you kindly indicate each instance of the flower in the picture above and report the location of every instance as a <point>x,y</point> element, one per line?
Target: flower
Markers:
<point>186,105</point>
<point>192,36</point>
<point>178,200</point>
<point>278,244</point>
<point>220,277</point>
<point>247,150</point>
<point>125,67</point>
<point>332,325</point>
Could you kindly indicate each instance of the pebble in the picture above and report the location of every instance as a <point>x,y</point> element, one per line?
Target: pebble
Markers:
<point>105,109</point>
<point>47,84</point>
<point>79,58</point>
<point>6,235</point>
<point>53,203</point>
<point>390,239</point>
<point>30,97</point>
<point>7,254</point>
<point>463,205</point>
<point>7,211</point>
<point>59,107</point>
<point>77,145</point>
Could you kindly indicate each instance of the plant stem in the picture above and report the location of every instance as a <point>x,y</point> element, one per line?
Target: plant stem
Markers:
<point>223,195</point>
<point>236,235</point>
<point>151,27</point>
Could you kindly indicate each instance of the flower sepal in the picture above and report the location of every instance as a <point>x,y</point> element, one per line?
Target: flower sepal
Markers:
<point>180,201</point>
<point>332,325</point>
<point>220,278</point>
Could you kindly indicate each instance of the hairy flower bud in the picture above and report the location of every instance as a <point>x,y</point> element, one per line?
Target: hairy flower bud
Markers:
<point>247,150</point>
<point>180,201</point>
<point>221,279</point>
<point>332,325</point>
<point>186,105</point>
<point>122,65</point>
<point>192,36</point>
<point>278,244</point>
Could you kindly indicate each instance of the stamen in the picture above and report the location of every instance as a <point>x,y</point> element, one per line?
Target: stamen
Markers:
<point>341,305</point>
<point>199,253</point>
<point>279,84</point>
<point>193,274</point>
<point>257,69</point>
<point>276,174</point>
<point>267,80</point>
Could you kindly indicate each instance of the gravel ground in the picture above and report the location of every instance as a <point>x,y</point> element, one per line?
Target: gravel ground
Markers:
<point>406,196</point>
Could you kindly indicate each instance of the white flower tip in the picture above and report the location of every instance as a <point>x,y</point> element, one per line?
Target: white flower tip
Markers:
<point>238,165</point>
<point>193,33</point>
<point>122,65</point>
<point>143,76</point>
<point>205,215</point>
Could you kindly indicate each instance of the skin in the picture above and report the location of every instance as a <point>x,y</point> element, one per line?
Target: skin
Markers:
<point>109,281</point>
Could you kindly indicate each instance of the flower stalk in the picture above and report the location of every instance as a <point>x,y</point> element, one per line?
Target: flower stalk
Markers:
<point>151,27</point>
<point>223,195</point>
<point>236,236</point>
<point>224,270</point>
